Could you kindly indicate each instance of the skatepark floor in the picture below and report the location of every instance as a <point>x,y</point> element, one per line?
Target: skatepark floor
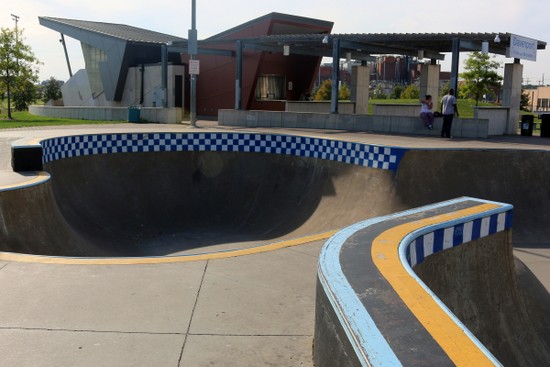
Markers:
<point>253,310</point>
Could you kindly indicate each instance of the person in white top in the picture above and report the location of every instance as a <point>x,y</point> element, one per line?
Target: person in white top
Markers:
<point>426,113</point>
<point>448,110</point>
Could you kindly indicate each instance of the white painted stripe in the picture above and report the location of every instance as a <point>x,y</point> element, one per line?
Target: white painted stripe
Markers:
<point>501,222</point>
<point>467,233</point>
<point>428,244</point>
<point>485,226</point>
<point>448,238</point>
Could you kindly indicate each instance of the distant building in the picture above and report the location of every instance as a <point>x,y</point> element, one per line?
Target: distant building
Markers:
<point>539,98</point>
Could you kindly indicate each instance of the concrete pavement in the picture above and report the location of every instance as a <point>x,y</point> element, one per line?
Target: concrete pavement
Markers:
<point>254,310</point>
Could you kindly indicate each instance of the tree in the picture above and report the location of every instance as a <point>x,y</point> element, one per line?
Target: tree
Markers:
<point>445,89</point>
<point>25,93</point>
<point>480,76</point>
<point>18,65</point>
<point>411,92</point>
<point>344,93</point>
<point>396,92</point>
<point>525,102</point>
<point>51,90</point>
<point>378,92</point>
<point>324,93</point>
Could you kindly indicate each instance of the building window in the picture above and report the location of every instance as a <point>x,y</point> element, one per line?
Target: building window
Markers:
<point>92,58</point>
<point>270,87</point>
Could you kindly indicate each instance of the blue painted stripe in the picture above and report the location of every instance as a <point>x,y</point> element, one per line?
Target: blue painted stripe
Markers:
<point>460,234</point>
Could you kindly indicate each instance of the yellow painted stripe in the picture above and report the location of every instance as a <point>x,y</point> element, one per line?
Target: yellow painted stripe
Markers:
<point>9,256</point>
<point>458,346</point>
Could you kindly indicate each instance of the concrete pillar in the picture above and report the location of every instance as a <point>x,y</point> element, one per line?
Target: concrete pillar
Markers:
<point>360,80</point>
<point>429,82</point>
<point>511,95</point>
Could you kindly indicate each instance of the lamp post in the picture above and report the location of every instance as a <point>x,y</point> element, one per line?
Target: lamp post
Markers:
<point>192,50</point>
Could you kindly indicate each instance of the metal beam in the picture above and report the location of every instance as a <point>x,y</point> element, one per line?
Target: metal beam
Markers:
<point>62,40</point>
<point>201,51</point>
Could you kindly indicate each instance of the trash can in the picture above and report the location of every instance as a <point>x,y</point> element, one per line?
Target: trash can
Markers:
<point>527,125</point>
<point>545,125</point>
<point>133,114</point>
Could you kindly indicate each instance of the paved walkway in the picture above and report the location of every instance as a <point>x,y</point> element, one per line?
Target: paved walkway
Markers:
<point>254,310</point>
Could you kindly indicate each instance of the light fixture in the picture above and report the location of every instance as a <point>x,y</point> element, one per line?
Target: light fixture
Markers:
<point>325,39</point>
<point>497,39</point>
<point>286,50</point>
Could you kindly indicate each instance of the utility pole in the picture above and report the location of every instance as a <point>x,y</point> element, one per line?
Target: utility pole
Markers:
<point>16,19</point>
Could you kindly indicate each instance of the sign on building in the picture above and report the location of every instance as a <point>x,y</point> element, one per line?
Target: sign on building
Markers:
<point>522,48</point>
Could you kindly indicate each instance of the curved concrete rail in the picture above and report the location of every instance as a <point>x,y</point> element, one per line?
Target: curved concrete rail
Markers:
<point>367,268</point>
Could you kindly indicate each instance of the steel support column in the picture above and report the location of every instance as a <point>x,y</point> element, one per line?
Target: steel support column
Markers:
<point>335,75</point>
<point>455,64</point>
<point>239,73</point>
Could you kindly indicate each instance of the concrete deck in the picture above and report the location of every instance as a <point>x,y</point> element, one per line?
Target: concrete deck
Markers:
<point>252,310</point>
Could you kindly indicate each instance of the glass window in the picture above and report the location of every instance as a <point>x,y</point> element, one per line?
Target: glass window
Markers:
<point>270,87</point>
<point>92,58</point>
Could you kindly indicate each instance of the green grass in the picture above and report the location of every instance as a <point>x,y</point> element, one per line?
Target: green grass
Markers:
<point>25,119</point>
<point>465,106</point>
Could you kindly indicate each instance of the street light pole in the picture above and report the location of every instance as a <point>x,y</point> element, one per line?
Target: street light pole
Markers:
<point>192,50</point>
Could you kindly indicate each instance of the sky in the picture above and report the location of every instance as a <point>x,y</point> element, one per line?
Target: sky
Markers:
<point>528,18</point>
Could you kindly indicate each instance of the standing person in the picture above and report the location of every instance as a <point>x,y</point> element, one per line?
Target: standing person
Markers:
<point>448,110</point>
<point>426,113</point>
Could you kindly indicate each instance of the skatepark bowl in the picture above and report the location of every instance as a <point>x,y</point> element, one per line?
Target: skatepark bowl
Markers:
<point>171,195</point>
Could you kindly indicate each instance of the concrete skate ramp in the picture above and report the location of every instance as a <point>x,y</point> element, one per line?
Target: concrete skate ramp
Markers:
<point>172,202</point>
<point>145,204</point>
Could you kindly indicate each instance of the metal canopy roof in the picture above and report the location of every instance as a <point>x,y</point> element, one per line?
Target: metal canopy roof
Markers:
<point>361,46</point>
<point>75,27</point>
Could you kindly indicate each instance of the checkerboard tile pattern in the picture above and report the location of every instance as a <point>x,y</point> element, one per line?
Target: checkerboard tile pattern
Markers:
<point>445,238</point>
<point>334,150</point>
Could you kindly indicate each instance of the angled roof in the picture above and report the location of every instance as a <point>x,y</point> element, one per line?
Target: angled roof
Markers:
<point>119,31</point>
<point>281,24</point>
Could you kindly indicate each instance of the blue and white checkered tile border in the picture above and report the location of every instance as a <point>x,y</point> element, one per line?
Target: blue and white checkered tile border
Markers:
<point>334,150</point>
<point>446,238</point>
